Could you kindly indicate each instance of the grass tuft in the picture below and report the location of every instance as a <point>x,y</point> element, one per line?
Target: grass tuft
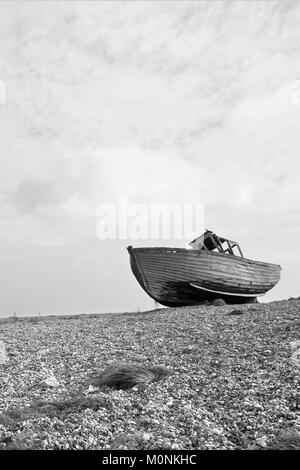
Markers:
<point>125,377</point>
<point>57,408</point>
<point>60,408</point>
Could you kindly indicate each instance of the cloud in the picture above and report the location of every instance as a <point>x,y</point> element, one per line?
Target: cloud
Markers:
<point>31,194</point>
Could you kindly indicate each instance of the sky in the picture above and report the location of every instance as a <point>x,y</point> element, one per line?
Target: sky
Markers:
<point>159,102</point>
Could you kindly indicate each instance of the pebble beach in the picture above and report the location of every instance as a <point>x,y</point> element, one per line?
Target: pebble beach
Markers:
<point>233,379</point>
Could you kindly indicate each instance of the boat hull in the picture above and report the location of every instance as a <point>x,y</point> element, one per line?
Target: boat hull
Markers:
<point>179,277</point>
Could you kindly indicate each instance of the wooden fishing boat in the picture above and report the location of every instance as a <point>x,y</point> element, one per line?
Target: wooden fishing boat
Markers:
<point>213,268</point>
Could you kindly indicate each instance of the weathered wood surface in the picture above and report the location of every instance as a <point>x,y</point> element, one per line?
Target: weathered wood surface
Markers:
<point>166,274</point>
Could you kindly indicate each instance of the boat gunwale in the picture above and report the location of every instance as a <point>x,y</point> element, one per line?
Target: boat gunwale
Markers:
<point>204,253</point>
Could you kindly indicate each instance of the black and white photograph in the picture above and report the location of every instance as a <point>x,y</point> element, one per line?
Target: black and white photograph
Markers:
<point>149,229</point>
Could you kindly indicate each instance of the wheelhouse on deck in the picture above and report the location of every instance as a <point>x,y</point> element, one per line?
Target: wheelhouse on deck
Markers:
<point>209,241</point>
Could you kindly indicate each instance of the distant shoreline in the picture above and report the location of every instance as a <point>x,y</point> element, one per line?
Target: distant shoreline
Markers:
<point>37,318</point>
